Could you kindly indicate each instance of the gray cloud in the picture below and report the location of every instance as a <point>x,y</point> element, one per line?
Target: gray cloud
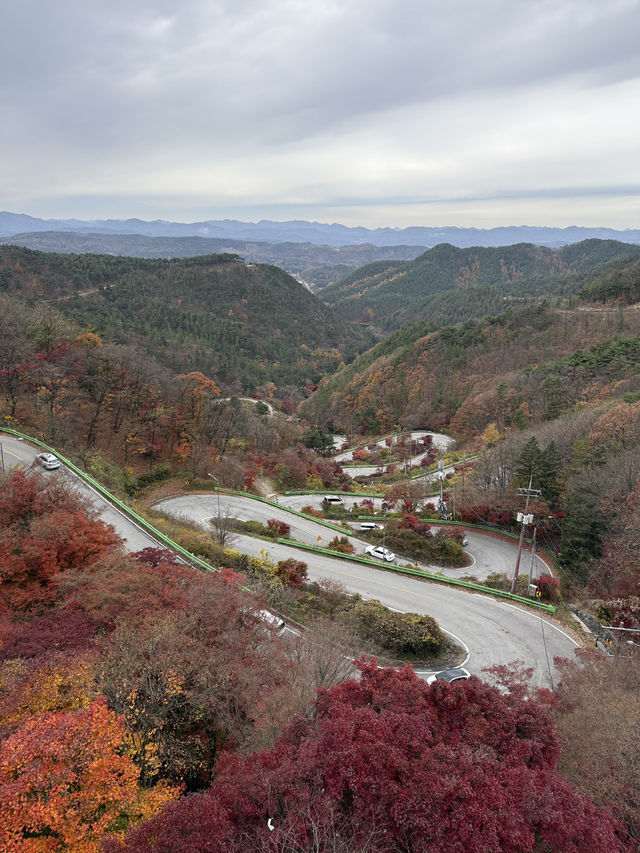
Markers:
<point>281,102</point>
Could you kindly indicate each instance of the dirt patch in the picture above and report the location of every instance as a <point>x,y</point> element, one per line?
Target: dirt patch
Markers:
<point>265,486</point>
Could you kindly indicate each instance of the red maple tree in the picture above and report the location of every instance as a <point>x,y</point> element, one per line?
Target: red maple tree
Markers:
<point>392,764</point>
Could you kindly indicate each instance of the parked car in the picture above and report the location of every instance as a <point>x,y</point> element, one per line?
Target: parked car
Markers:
<point>48,461</point>
<point>334,500</point>
<point>458,673</point>
<point>379,553</point>
<point>370,525</point>
<point>271,619</point>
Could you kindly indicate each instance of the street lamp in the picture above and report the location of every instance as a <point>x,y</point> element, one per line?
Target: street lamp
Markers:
<point>217,490</point>
<point>442,510</point>
<point>384,528</point>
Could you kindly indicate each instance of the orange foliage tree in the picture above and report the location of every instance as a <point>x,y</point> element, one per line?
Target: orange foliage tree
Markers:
<point>64,786</point>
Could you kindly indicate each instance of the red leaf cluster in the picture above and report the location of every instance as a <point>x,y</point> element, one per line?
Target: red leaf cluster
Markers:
<point>392,764</point>
<point>45,533</point>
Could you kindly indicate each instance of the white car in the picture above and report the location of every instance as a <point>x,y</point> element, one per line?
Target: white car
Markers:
<point>370,525</point>
<point>379,553</point>
<point>334,500</point>
<point>458,673</point>
<point>271,619</point>
<point>48,461</point>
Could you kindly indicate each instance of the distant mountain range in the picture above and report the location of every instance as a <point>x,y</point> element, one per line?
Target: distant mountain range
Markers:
<point>318,233</point>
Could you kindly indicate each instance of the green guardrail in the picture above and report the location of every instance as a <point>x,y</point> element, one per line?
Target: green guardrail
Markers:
<point>275,504</point>
<point>368,465</point>
<point>356,558</point>
<point>161,537</point>
<point>339,494</point>
<point>132,514</point>
<point>437,522</point>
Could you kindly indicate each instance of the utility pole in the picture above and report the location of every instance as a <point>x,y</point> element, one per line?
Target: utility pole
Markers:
<point>524,519</point>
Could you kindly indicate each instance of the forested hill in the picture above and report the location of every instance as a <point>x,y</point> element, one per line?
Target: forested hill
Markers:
<point>449,285</point>
<point>316,265</point>
<point>511,368</point>
<point>245,325</point>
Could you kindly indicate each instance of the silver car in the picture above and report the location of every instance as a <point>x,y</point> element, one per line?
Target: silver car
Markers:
<point>48,461</point>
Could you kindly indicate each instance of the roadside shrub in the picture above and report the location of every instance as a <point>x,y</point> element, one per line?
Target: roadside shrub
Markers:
<point>325,598</point>
<point>449,548</point>
<point>496,515</point>
<point>341,545</point>
<point>252,568</point>
<point>251,526</point>
<point>311,510</point>
<point>292,572</point>
<point>412,522</point>
<point>496,580</point>
<point>280,528</point>
<point>624,612</point>
<point>457,534</point>
<point>158,474</point>
<point>440,549</point>
<point>399,633</point>
<point>549,588</point>
<point>108,474</point>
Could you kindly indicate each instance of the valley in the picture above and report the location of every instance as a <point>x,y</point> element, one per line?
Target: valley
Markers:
<point>240,431</point>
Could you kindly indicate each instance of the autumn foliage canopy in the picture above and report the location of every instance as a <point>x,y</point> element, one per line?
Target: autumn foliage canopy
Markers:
<point>391,764</point>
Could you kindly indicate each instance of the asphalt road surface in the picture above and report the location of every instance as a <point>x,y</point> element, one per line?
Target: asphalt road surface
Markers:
<point>492,631</point>
<point>442,442</point>
<point>19,453</point>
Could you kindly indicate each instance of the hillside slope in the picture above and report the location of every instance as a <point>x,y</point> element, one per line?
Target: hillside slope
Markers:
<point>316,265</point>
<point>246,325</point>
<point>508,368</point>
<point>448,285</point>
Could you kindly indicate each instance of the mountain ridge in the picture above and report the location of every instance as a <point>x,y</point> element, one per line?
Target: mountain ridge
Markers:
<point>333,234</point>
<point>450,284</point>
<point>247,325</point>
<point>315,264</point>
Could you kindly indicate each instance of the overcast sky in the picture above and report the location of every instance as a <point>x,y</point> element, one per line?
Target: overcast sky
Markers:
<point>365,112</point>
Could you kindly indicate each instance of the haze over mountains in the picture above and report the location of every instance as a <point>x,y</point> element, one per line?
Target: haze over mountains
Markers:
<point>319,233</point>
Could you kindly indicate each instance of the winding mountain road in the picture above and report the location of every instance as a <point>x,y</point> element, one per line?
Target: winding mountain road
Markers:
<point>493,632</point>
